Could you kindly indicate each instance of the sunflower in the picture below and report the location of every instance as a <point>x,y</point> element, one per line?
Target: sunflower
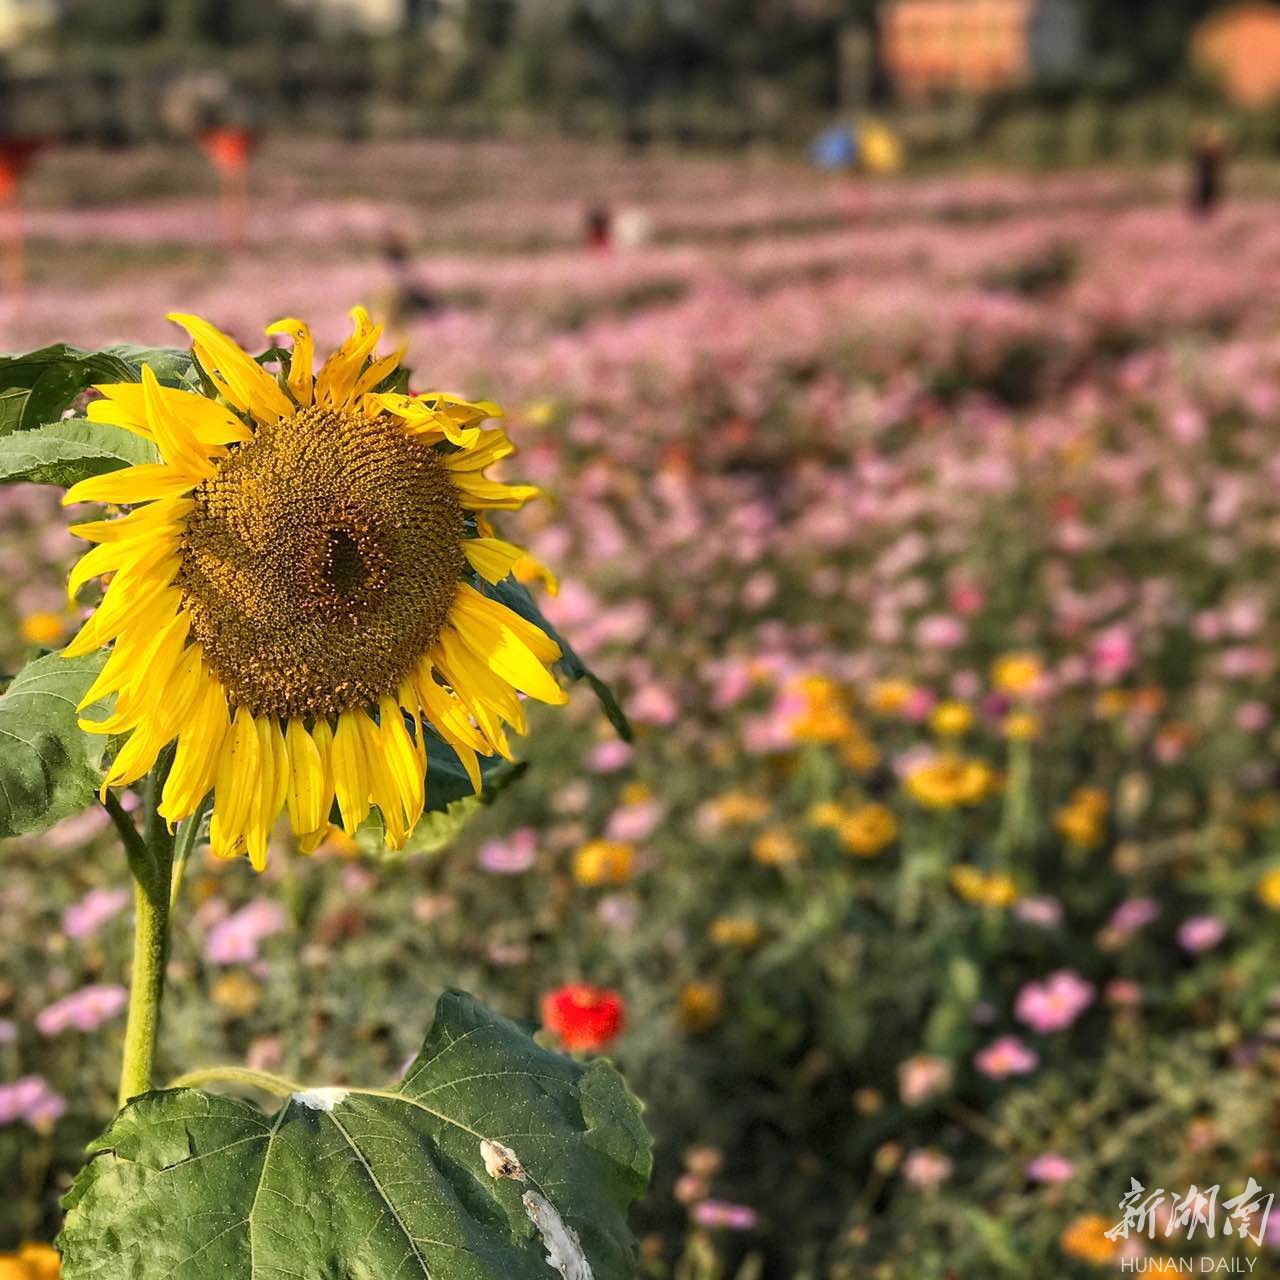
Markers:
<point>296,592</point>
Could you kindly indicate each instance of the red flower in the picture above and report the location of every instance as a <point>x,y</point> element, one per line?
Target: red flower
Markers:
<point>584,1017</point>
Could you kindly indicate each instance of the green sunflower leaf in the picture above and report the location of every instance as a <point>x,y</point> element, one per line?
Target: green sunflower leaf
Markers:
<point>516,596</point>
<point>440,1176</point>
<point>49,767</point>
<point>173,367</point>
<point>38,386</point>
<point>65,452</point>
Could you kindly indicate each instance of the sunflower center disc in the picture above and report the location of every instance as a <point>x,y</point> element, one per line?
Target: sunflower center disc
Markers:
<point>320,562</point>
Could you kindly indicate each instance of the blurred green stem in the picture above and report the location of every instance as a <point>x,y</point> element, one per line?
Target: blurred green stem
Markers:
<point>151,865</point>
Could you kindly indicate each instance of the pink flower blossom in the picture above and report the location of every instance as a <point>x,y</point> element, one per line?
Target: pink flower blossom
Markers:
<point>926,1169</point>
<point>1133,914</point>
<point>609,756</point>
<point>921,1077</point>
<point>86,917</point>
<point>1006,1056</point>
<point>1050,1167</point>
<point>510,856</point>
<point>1055,1003</point>
<point>83,1010</point>
<point>31,1100</point>
<point>1201,933</point>
<point>235,940</point>
<point>721,1215</point>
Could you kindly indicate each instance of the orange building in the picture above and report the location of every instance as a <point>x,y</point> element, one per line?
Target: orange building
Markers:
<point>1240,46</point>
<point>977,46</point>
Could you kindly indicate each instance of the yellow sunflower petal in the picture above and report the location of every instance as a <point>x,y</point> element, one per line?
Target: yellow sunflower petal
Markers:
<point>350,772</point>
<point>305,796</point>
<point>143,483</point>
<point>239,764</point>
<point>151,521</point>
<point>210,423</point>
<point>301,378</point>
<point>178,447</point>
<point>476,493</point>
<point>241,378</point>
<point>200,742</point>
<point>492,558</point>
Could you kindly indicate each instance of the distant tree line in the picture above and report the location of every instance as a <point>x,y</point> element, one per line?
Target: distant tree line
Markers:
<point>640,66</point>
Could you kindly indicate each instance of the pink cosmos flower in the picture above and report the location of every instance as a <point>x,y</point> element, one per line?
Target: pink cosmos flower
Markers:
<point>31,1100</point>
<point>1043,911</point>
<point>1132,914</point>
<point>1201,933</point>
<point>1006,1056</point>
<point>926,1169</point>
<point>235,940</point>
<point>86,917</point>
<point>634,822</point>
<point>921,1077</point>
<point>1122,991</point>
<point>1053,1005</point>
<point>83,1010</point>
<point>609,756</point>
<point>1050,1167</point>
<point>510,856</point>
<point>720,1214</point>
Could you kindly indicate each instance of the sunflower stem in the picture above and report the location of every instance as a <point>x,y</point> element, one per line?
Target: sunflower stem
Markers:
<point>152,875</point>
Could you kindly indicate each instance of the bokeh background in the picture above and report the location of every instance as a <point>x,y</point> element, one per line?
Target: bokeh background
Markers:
<point>903,378</point>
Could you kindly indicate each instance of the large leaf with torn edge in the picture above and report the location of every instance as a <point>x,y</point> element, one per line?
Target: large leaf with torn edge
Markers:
<point>516,596</point>
<point>37,387</point>
<point>491,1154</point>
<point>49,767</point>
<point>67,452</point>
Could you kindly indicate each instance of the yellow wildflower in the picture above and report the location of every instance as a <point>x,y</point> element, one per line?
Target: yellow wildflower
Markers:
<point>31,1262</point>
<point>888,697</point>
<point>951,719</point>
<point>1111,703</point>
<point>1269,889</point>
<point>1017,674</point>
<point>739,808</point>
<point>1085,1238</point>
<point>601,862</point>
<point>868,829</point>
<point>776,847</point>
<point>1020,726</point>
<point>823,712</point>
<point>734,931</point>
<point>44,629</point>
<point>949,781</point>
<point>700,1007</point>
<point>826,814</point>
<point>983,889</point>
<point>237,993</point>
<point>858,751</point>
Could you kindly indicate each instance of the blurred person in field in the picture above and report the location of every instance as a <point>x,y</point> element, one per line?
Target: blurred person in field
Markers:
<point>407,296</point>
<point>1208,164</point>
<point>598,227</point>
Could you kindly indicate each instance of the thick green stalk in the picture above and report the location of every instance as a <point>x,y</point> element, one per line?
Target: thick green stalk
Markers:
<point>151,865</point>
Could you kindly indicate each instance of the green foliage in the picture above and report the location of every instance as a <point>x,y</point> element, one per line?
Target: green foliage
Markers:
<point>63,453</point>
<point>49,768</point>
<point>37,387</point>
<point>370,1184</point>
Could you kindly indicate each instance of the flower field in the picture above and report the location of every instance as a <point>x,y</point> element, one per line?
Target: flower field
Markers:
<point>926,531</point>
